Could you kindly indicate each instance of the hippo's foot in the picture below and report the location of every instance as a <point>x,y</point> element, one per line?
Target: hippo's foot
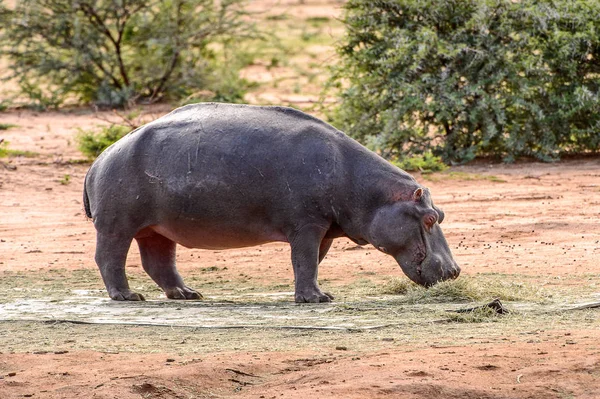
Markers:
<point>313,296</point>
<point>182,293</point>
<point>126,295</point>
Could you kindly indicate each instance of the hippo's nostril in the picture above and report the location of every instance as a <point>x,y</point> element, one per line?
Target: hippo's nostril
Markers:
<point>455,271</point>
<point>451,272</point>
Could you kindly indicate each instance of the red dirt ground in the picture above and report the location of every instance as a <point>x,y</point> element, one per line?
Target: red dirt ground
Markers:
<point>551,369</point>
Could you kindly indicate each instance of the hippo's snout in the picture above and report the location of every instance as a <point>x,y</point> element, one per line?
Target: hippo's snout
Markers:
<point>433,270</point>
<point>450,271</point>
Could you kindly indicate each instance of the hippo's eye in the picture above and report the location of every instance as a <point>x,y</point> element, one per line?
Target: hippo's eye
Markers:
<point>420,256</point>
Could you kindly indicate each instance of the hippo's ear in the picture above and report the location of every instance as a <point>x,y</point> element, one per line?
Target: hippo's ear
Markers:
<point>417,194</point>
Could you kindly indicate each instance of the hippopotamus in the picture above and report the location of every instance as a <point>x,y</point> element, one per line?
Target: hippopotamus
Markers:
<point>218,176</point>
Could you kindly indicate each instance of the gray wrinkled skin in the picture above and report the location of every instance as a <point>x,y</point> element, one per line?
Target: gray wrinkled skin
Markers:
<point>219,176</point>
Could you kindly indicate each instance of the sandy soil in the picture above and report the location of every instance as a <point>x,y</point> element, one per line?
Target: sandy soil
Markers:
<point>535,370</point>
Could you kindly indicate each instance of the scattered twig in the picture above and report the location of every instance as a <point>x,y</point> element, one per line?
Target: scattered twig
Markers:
<point>243,383</point>
<point>132,121</point>
<point>495,305</point>
<point>8,166</point>
<point>242,373</point>
<point>586,306</point>
<point>128,377</point>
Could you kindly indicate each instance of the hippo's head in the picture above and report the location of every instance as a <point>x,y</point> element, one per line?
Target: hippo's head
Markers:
<point>410,232</point>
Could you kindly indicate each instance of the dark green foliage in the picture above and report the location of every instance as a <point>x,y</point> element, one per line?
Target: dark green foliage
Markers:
<point>425,163</point>
<point>467,78</point>
<point>93,142</point>
<point>110,52</point>
<point>4,14</point>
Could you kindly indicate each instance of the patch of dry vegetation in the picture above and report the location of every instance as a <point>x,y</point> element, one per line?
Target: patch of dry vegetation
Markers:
<point>464,289</point>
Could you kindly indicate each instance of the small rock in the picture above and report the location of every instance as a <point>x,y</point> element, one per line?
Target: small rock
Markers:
<point>12,374</point>
<point>487,367</point>
<point>170,360</point>
<point>60,352</point>
<point>418,374</point>
<point>341,348</point>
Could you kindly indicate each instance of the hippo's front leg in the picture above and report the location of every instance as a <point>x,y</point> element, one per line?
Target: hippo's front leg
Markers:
<point>305,245</point>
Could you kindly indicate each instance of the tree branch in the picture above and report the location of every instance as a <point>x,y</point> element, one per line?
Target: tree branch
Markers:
<point>97,21</point>
<point>174,58</point>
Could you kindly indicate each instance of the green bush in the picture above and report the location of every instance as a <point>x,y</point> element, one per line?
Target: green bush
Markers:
<point>6,126</point>
<point>4,13</point>
<point>114,53</point>
<point>425,163</point>
<point>467,78</point>
<point>93,142</point>
<point>6,152</point>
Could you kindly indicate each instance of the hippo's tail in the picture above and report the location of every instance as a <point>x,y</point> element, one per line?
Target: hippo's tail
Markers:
<point>86,200</point>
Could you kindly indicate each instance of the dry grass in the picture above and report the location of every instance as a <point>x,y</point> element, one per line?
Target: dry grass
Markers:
<point>464,289</point>
<point>411,316</point>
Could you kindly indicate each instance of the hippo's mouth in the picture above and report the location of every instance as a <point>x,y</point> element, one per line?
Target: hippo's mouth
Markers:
<point>422,272</point>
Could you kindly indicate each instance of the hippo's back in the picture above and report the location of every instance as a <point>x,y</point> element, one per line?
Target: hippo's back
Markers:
<point>237,145</point>
<point>201,133</point>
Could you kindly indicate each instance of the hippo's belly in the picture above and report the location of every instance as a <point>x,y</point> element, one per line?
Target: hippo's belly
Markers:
<point>223,236</point>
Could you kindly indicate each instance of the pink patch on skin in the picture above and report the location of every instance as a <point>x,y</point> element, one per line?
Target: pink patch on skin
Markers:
<point>406,195</point>
<point>429,221</point>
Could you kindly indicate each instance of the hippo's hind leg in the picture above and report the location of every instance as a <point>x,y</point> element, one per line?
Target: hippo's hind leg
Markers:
<point>307,247</point>
<point>111,254</point>
<point>324,247</point>
<point>158,259</point>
